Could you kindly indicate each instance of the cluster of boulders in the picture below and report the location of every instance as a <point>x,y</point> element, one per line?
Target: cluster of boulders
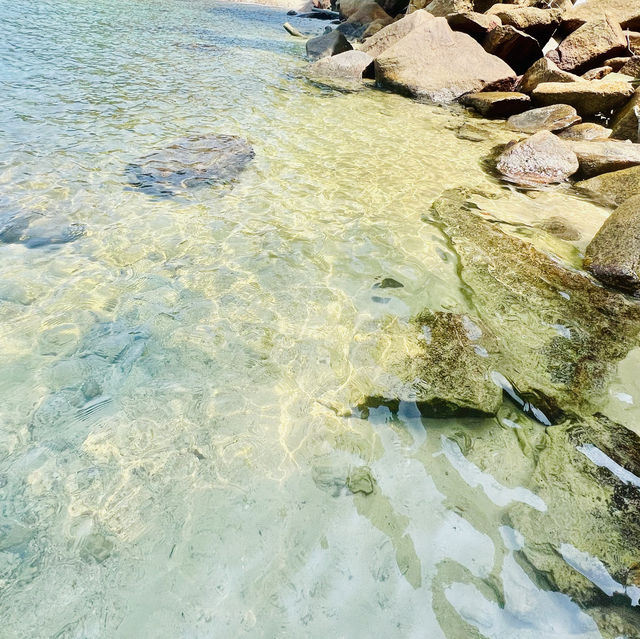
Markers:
<point>564,75</point>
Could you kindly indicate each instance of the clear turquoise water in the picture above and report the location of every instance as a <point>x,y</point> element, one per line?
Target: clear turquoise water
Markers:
<point>175,385</point>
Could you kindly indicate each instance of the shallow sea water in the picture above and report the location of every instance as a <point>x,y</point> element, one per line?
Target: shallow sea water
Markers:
<point>176,387</point>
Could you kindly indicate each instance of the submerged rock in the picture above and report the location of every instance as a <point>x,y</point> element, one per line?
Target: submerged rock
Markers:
<point>439,64</point>
<point>191,162</point>
<point>613,188</point>
<point>559,335</point>
<point>352,65</point>
<point>442,362</point>
<point>613,256</point>
<point>36,231</point>
<point>552,118</point>
<point>541,159</point>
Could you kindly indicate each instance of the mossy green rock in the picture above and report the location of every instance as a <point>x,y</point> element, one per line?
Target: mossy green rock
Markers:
<point>612,188</point>
<point>559,335</point>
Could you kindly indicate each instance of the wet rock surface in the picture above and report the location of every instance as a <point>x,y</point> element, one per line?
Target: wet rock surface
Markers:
<point>612,188</point>
<point>191,162</point>
<point>613,256</point>
<point>352,65</point>
<point>552,118</point>
<point>541,159</point>
<point>34,230</point>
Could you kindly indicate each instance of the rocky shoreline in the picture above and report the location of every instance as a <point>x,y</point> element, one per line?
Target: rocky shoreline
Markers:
<point>538,334</point>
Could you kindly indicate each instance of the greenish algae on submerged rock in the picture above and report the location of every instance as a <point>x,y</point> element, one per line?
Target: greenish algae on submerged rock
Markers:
<point>613,256</point>
<point>559,334</point>
<point>612,188</point>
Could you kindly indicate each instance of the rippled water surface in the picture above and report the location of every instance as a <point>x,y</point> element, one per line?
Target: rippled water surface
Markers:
<point>179,453</point>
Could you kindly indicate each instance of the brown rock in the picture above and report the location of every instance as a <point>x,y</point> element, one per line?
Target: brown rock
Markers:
<point>597,97</point>
<point>631,67</point>
<point>612,188</point>
<point>585,131</point>
<point>515,47</point>
<point>598,157</point>
<point>497,104</point>
<point>538,23</point>
<point>439,64</point>
<point>589,46</point>
<point>442,8</point>
<point>550,118</point>
<point>477,25</point>
<point>353,65</point>
<point>369,12</point>
<point>597,74</point>
<point>626,124</point>
<point>624,12</point>
<point>541,159</point>
<point>388,36</point>
<point>544,70</point>
<point>613,256</point>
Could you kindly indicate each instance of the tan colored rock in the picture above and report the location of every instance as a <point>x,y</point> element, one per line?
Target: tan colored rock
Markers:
<point>631,67</point>
<point>626,124</point>
<point>597,74</point>
<point>598,157</point>
<point>585,131</point>
<point>541,159</point>
<point>597,97</point>
<point>439,64</point>
<point>515,47</point>
<point>538,23</point>
<point>369,12</point>
<point>589,46</point>
<point>388,36</point>
<point>497,104</point>
<point>624,12</point>
<point>350,65</point>
<point>617,63</point>
<point>543,70</point>
<point>442,8</point>
<point>612,188</point>
<point>477,25</point>
<point>550,118</point>
<point>613,256</point>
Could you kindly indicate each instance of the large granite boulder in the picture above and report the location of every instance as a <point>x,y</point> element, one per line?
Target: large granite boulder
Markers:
<point>626,13</point>
<point>613,256</point>
<point>541,159</point>
<point>559,335</point>
<point>515,47</point>
<point>601,156</point>
<point>543,70</point>
<point>589,46</point>
<point>588,98</point>
<point>439,64</point>
<point>350,65</point>
<point>612,188</point>
<point>477,25</point>
<point>497,104</point>
<point>191,162</point>
<point>327,44</point>
<point>391,34</point>
<point>538,23</point>
<point>550,118</point>
<point>626,124</point>
<point>442,361</point>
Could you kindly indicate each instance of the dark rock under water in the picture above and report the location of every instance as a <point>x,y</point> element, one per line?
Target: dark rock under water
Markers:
<point>191,162</point>
<point>35,230</point>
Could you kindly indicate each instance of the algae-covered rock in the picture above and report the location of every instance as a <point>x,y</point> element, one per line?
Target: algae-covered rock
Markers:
<point>613,255</point>
<point>442,361</point>
<point>587,543</point>
<point>559,335</point>
<point>613,188</point>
